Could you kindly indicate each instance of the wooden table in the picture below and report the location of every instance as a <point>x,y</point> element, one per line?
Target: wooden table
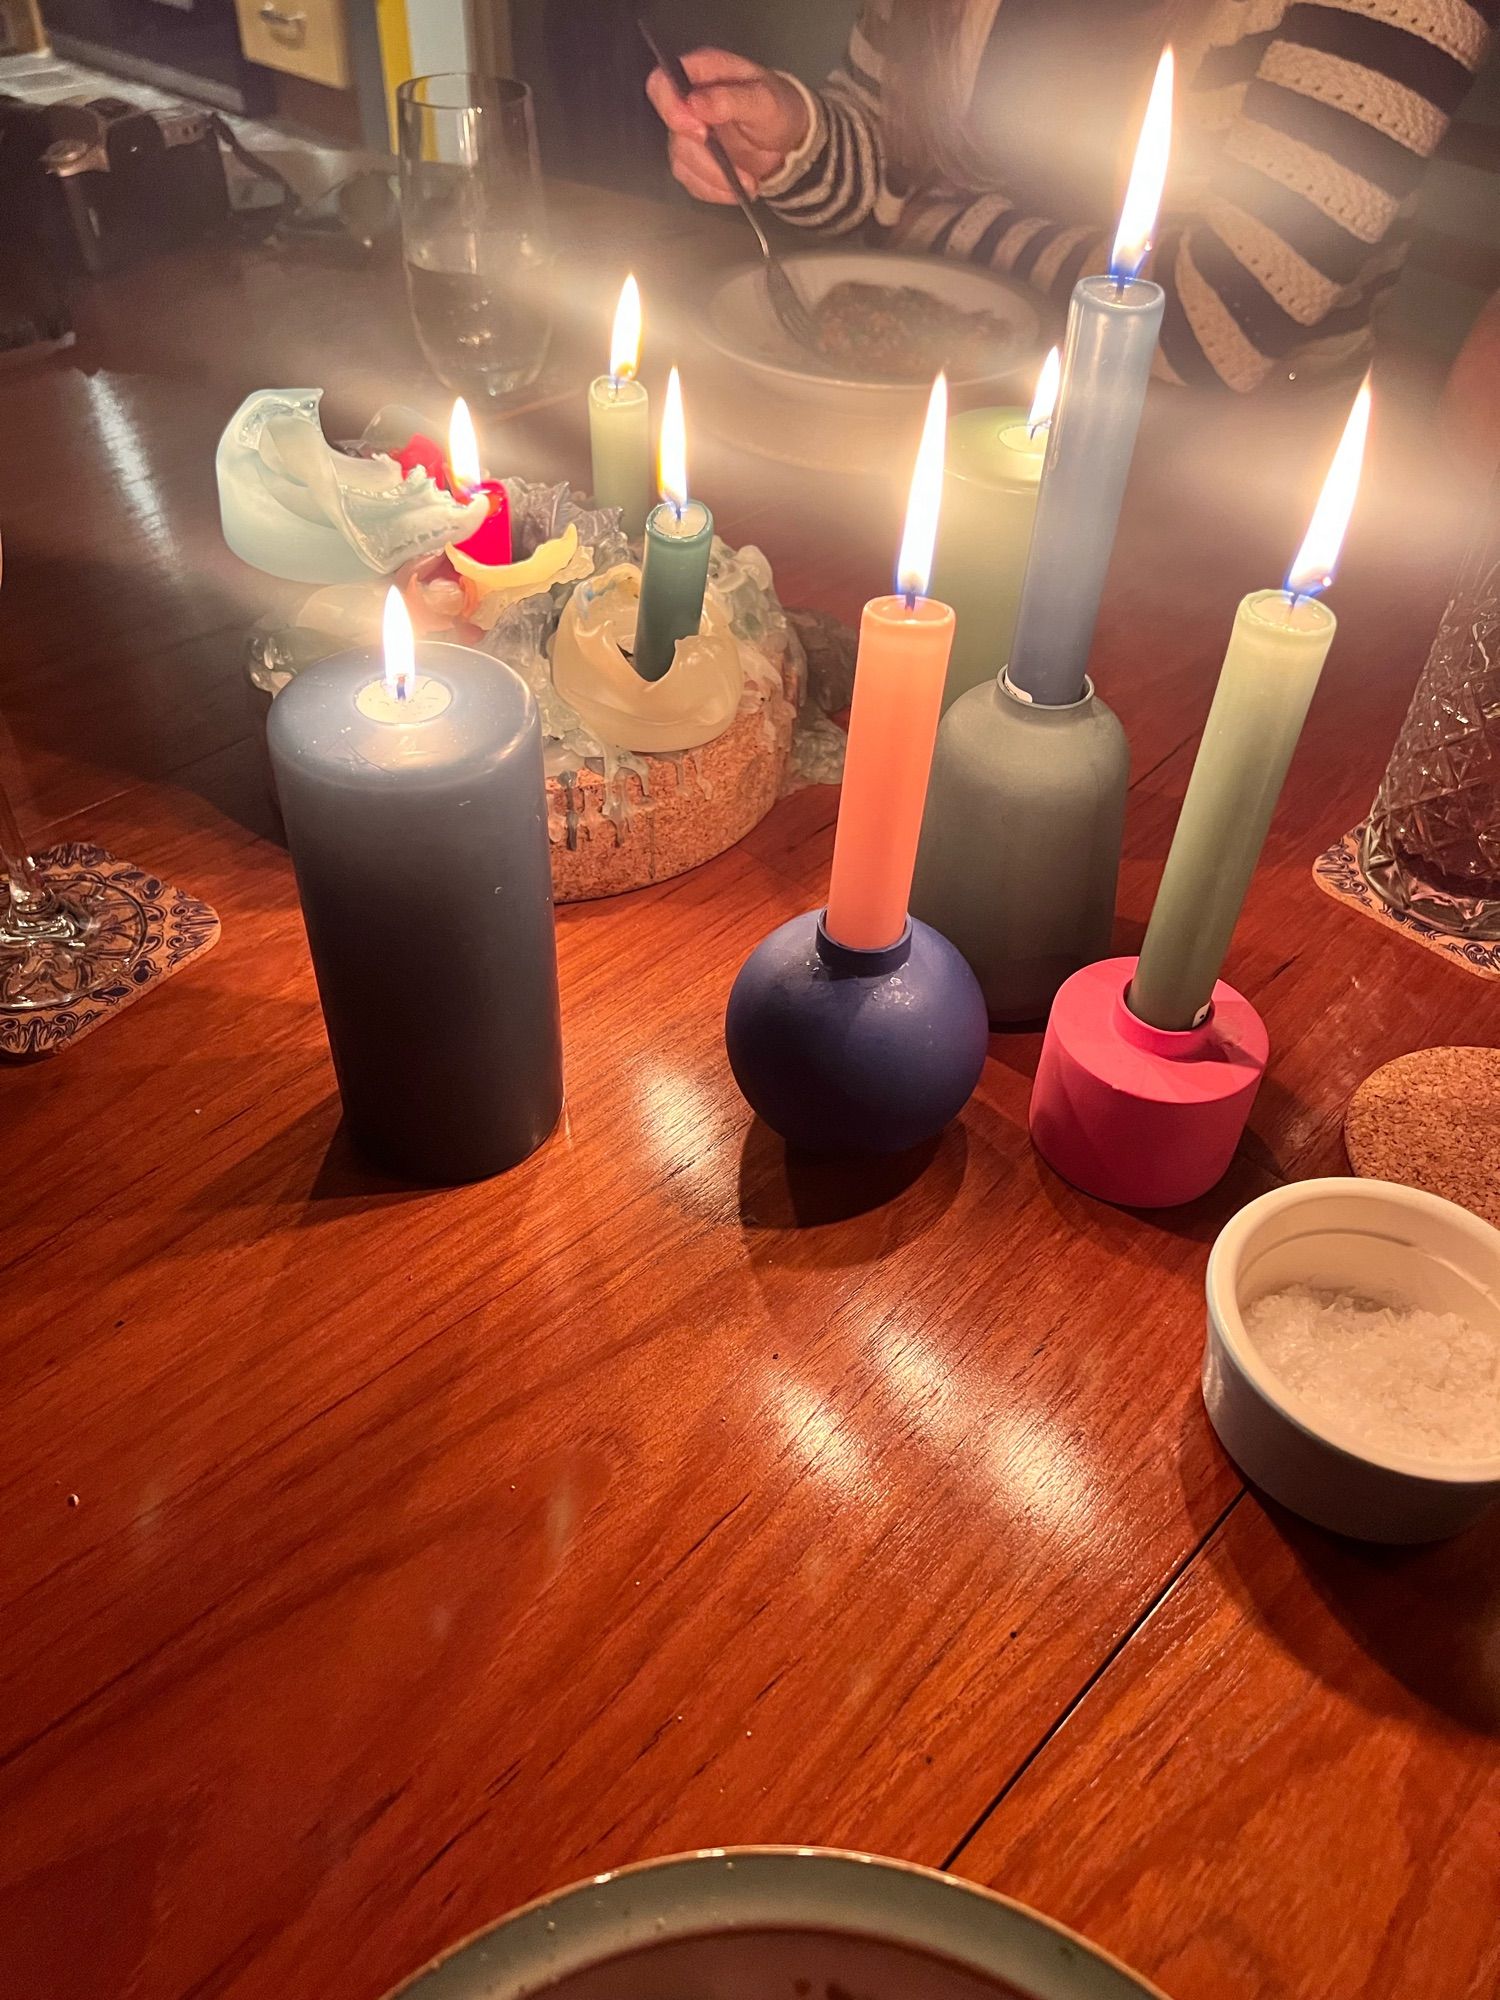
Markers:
<point>374,1560</point>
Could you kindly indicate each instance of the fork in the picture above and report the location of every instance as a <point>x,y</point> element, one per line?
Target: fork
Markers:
<point>786,301</point>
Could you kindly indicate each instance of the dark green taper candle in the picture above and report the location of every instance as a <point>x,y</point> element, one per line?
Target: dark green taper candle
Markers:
<point>674,568</point>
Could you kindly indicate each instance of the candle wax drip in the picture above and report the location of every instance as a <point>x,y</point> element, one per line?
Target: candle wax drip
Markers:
<point>491,544</point>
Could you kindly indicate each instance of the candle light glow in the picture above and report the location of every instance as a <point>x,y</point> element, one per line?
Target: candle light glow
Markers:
<point>924,500</point>
<point>1044,402</point>
<point>1148,176</point>
<point>672,481</point>
<point>1314,564</point>
<point>489,547</point>
<point>463,450</point>
<point>400,648</point>
<point>625,339</point>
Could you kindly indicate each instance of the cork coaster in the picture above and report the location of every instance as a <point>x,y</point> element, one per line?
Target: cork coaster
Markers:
<point>1432,1120</point>
<point>1337,873</point>
<point>144,931</point>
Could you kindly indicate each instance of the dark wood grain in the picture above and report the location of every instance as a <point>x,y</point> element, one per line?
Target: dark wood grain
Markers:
<point>1289,1782</point>
<point>432,1549</point>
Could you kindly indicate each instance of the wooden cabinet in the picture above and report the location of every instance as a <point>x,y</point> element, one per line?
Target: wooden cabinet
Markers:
<point>306,38</point>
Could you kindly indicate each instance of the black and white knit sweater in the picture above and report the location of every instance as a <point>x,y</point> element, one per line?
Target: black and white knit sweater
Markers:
<point>1309,122</point>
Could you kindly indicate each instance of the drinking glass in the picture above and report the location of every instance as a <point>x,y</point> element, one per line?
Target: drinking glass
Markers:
<point>63,935</point>
<point>474,231</point>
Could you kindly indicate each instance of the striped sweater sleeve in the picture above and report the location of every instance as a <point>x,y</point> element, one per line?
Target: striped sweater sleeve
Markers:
<point>1302,222</point>
<point>1329,111</point>
<point>836,181</point>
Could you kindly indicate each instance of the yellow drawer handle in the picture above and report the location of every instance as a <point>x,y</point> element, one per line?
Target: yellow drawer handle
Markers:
<point>293,26</point>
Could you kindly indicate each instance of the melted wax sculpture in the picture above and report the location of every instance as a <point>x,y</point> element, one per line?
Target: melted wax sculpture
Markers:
<point>294,506</point>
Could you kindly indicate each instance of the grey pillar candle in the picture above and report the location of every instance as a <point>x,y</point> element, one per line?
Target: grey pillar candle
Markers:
<point>1025,906</point>
<point>418,830</point>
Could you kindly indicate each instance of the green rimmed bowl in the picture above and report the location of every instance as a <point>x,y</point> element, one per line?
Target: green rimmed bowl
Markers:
<point>776,1923</point>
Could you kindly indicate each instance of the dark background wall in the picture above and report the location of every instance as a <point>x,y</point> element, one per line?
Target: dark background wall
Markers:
<point>587,64</point>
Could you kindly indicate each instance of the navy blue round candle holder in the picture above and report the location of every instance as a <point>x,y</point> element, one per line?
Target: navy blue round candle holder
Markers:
<point>846,1051</point>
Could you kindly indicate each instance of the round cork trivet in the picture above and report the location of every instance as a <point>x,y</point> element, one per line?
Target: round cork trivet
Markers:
<point>1432,1120</point>
<point>690,808</point>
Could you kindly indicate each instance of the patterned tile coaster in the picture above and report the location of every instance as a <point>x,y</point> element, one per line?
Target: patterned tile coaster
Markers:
<point>143,931</point>
<point>1338,874</point>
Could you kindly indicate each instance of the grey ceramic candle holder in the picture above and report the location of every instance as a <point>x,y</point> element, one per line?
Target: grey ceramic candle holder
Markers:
<point>1020,850</point>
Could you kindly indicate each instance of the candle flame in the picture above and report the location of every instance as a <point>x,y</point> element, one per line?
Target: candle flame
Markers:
<point>914,566</point>
<point>463,448</point>
<point>672,472</point>
<point>1148,176</point>
<point>625,341</point>
<point>400,647</point>
<point>1044,402</point>
<point>1318,556</point>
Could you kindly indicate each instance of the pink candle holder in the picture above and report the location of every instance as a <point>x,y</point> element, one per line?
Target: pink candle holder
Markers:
<point>1142,1116</point>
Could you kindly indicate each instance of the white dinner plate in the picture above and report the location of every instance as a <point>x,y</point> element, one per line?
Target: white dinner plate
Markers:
<point>768,395</point>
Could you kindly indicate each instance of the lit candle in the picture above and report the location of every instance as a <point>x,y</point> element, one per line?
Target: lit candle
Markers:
<point>491,545</point>
<point>904,643</point>
<point>1111,336</point>
<point>994,468</point>
<point>1276,653</point>
<point>415,806</point>
<point>679,540</point>
<point>620,420</point>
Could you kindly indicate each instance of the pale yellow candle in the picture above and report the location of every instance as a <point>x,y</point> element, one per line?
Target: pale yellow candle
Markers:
<point>620,421</point>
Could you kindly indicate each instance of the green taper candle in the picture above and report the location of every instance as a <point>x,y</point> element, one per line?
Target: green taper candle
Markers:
<point>1270,674</point>
<point>679,541</point>
<point>620,421</point>
<point>992,472</point>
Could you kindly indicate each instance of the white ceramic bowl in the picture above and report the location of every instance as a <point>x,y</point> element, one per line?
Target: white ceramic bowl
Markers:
<point>1359,1236</point>
<point>772,398</point>
<point>771,1923</point>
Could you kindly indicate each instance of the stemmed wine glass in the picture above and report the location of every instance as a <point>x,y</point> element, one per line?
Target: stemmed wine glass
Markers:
<point>65,933</point>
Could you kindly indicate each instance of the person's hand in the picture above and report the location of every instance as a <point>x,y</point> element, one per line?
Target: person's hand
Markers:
<point>759,117</point>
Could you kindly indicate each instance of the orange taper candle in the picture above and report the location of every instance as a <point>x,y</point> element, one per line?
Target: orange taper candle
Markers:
<point>904,643</point>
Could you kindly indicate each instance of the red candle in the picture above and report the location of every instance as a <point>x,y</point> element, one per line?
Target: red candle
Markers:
<point>491,543</point>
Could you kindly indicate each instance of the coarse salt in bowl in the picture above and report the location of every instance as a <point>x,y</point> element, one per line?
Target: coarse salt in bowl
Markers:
<point>1311,1396</point>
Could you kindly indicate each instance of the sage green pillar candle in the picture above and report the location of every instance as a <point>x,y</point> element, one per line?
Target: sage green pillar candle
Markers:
<point>1270,673</point>
<point>674,576</point>
<point>994,467</point>
<point>679,543</point>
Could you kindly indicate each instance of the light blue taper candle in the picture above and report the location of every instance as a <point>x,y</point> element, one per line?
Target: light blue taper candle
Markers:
<point>1113,323</point>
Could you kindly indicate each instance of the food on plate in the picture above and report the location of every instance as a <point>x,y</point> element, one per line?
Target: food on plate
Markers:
<point>902,331</point>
